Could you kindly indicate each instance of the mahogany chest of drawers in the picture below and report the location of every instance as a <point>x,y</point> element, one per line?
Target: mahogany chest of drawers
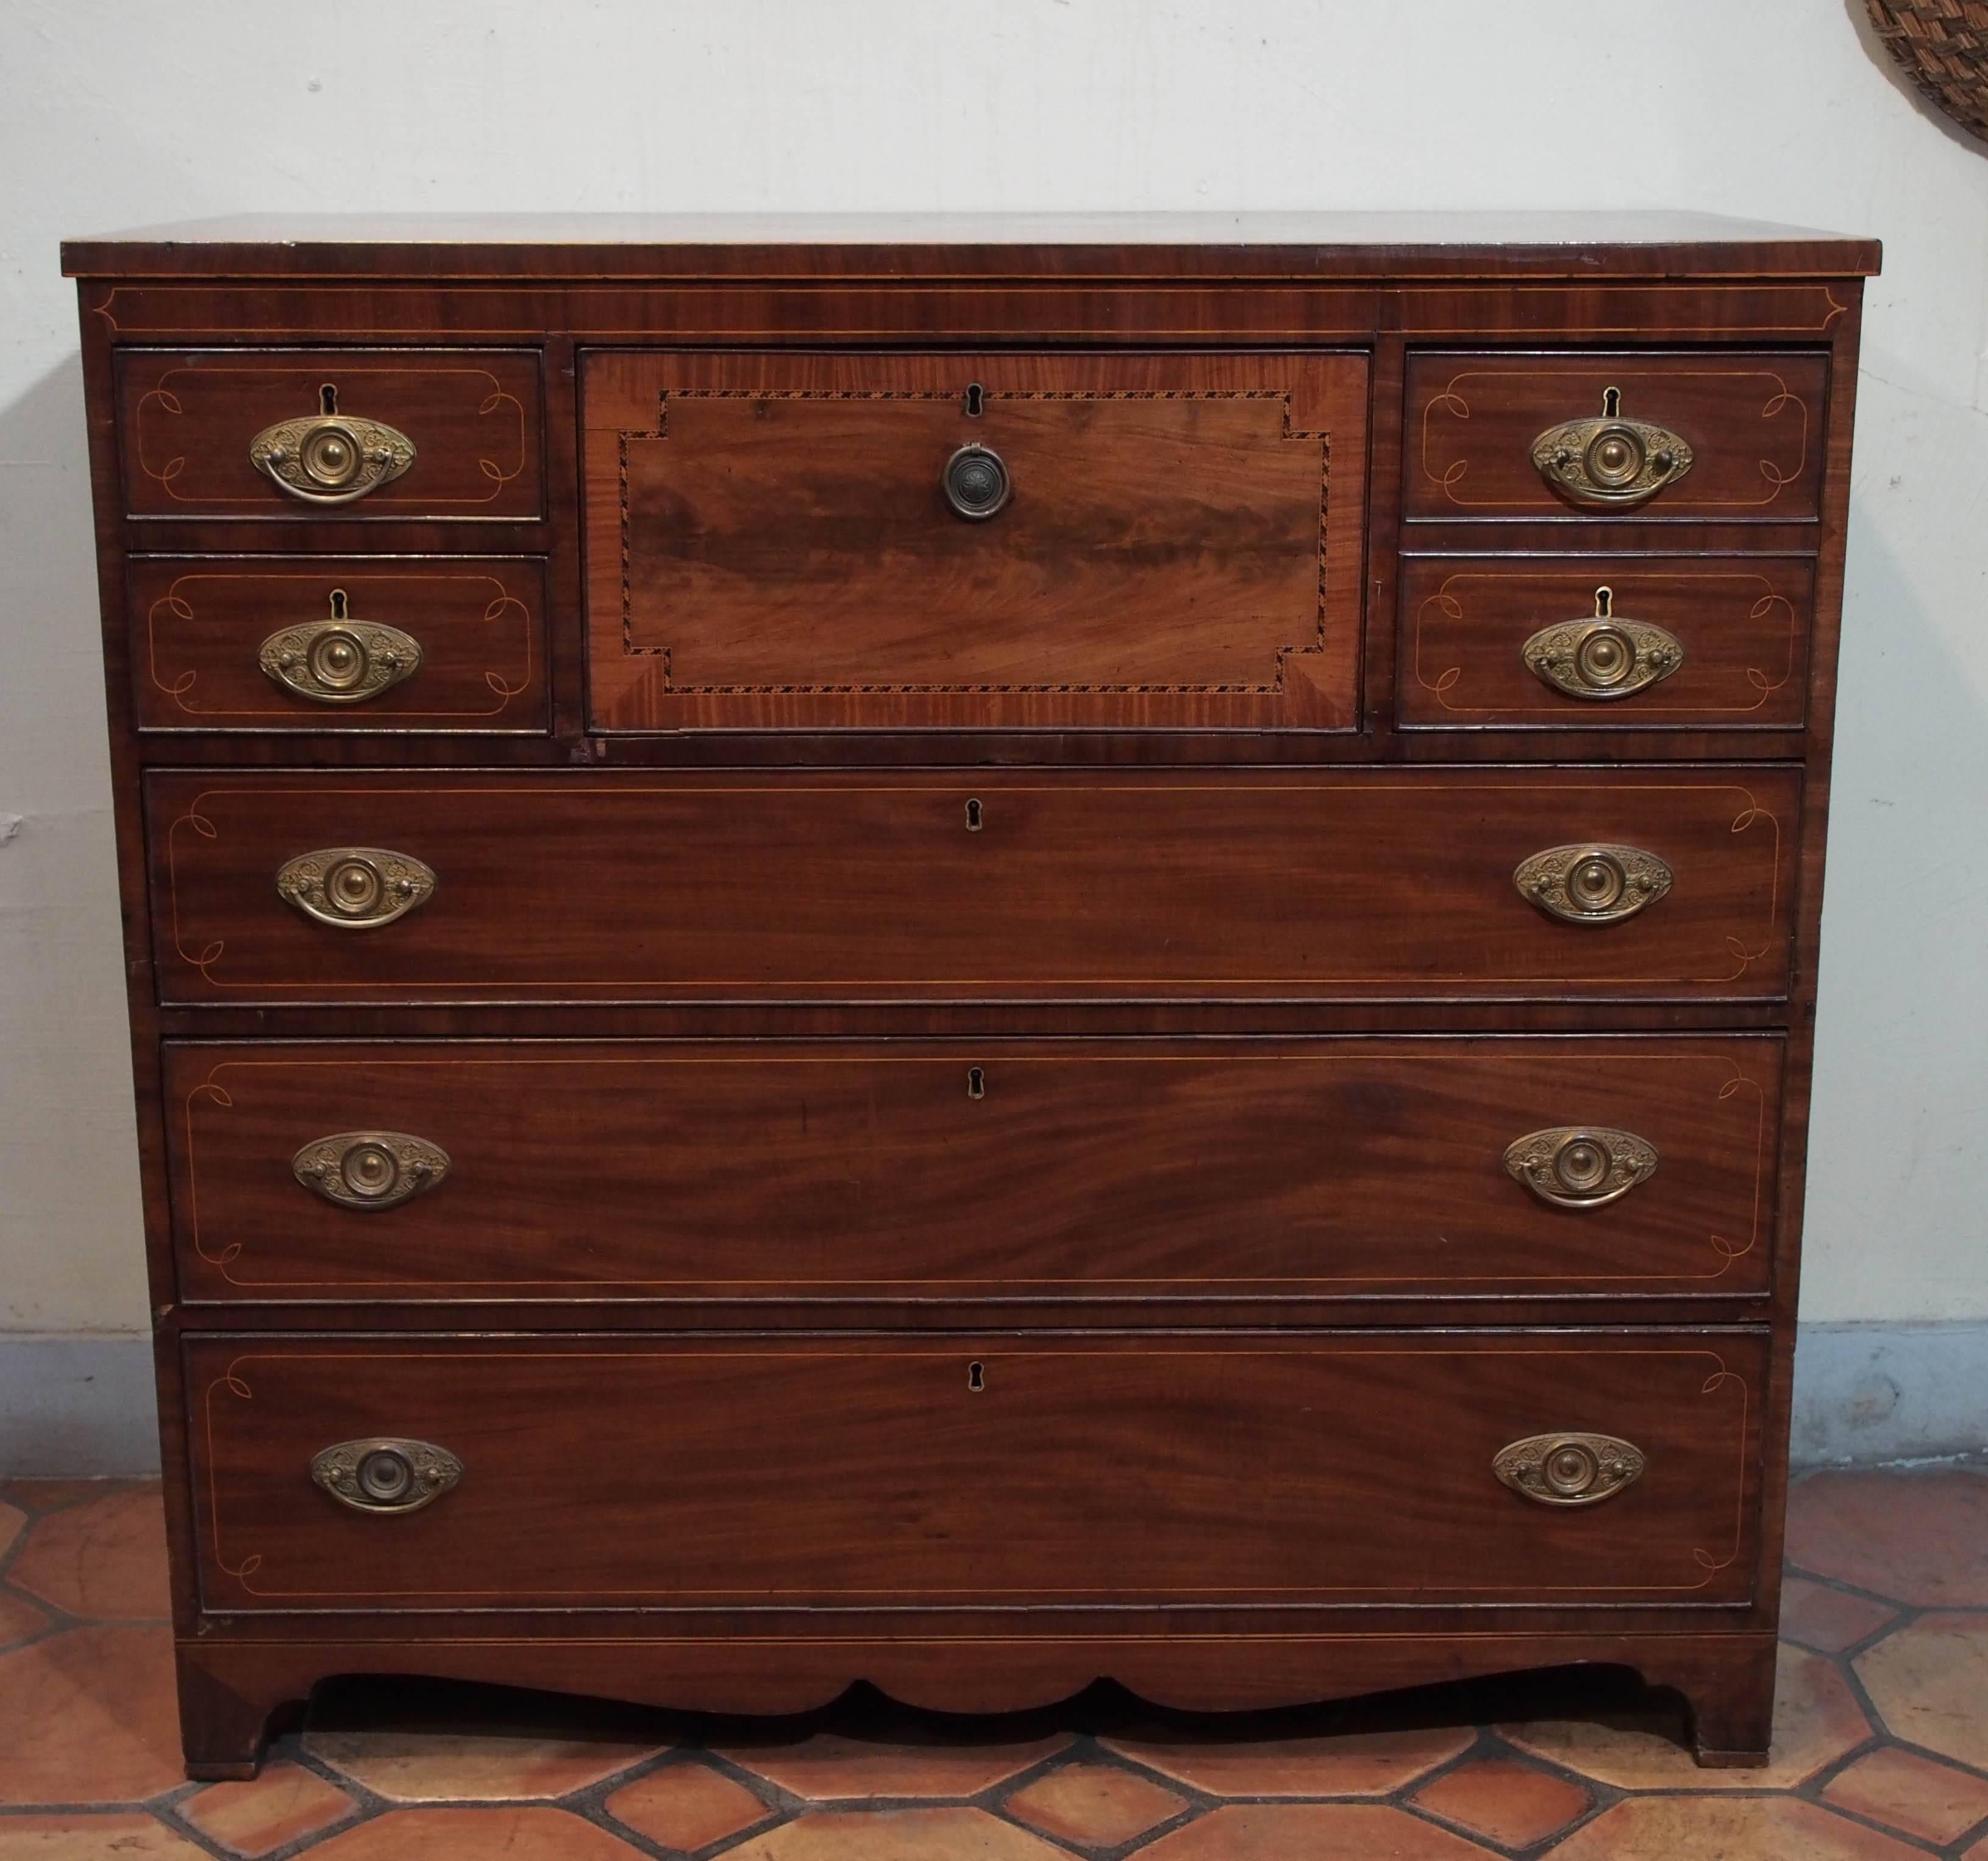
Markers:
<point>971,955</point>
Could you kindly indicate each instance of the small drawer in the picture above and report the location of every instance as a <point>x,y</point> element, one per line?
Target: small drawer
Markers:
<point>1081,1169</point>
<point>335,434</point>
<point>321,643</point>
<point>1065,541</point>
<point>700,1474</point>
<point>1605,643</point>
<point>988,886</point>
<point>1730,437</point>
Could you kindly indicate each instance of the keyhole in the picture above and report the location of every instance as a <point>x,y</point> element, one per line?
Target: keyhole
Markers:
<point>1604,602</point>
<point>341,605</point>
<point>327,398</point>
<point>976,400</point>
<point>977,1377</point>
<point>973,816</point>
<point>976,1083</point>
<point>1612,403</point>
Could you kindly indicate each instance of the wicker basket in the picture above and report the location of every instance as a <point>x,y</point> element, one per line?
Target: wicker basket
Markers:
<point>1943,46</point>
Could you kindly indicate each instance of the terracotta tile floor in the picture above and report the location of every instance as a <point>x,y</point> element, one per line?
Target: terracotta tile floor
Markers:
<point>1881,1749</point>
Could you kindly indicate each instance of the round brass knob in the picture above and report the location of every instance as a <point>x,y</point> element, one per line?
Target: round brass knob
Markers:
<point>1571,1468</point>
<point>1615,457</point>
<point>371,1170</point>
<point>384,1477</point>
<point>353,887</point>
<point>1597,882</point>
<point>1582,1164</point>
<point>330,454</point>
<point>976,482</point>
<point>1605,657</point>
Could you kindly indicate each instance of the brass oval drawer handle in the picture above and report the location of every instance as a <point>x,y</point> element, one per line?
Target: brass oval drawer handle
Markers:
<point>1569,1469</point>
<point>1604,658</point>
<point>976,482</point>
<point>1592,884</point>
<point>1580,1166</point>
<point>370,1169</point>
<point>385,1475</point>
<point>1609,461</point>
<point>355,888</point>
<point>339,661</point>
<point>330,457</point>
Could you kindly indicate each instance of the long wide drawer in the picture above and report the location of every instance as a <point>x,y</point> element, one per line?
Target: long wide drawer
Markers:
<point>1184,1469</point>
<point>1016,1169</point>
<point>980,886</point>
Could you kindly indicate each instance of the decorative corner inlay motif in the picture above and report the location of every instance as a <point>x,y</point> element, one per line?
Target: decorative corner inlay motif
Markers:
<point>1592,884</point>
<point>329,457</point>
<point>355,888</point>
<point>339,661</point>
<point>1606,656</point>
<point>1569,1469</point>
<point>370,1169</point>
<point>1580,1166</point>
<point>387,1475</point>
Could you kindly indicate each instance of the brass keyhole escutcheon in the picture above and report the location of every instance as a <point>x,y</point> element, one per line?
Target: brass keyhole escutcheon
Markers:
<point>330,457</point>
<point>976,1083</point>
<point>976,1378</point>
<point>340,660</point>
<point>974,816</point>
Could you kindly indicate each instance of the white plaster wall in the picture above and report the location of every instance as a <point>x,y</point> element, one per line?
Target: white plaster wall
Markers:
<point>114,112</point>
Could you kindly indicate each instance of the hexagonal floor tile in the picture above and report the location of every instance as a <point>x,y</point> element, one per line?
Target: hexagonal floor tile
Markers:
<point>516,1834</point>
<point>284,1805</point>
<point>1829,1620</point>
<point>895,1835</point>
<point>1904,1791</point>
<point>686,1806</point>
<point>1512,1803</point>
<point>1754,1828</point>
<point>1310,1831</point>
<point>19,1619</point>
<point>1098,1806</point>
<point>91,1838</point>
<point>1919,1538</point>
<point>89,1715</point>
<point>104,1558</point>
<point>1350,1764</point>
<point>1930,1680</point>
<point>830,1766</point>
<point>1816,1720</point>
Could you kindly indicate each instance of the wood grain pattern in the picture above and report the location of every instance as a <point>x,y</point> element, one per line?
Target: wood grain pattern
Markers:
<point>1092,1470</point>
<point>1743,623</point>
<point>479,620</point>
<point>769,545</point>
<point>186,418</point>
<point>1754,423</point>
<point>1086,1168</point>
<point>1088,886</point>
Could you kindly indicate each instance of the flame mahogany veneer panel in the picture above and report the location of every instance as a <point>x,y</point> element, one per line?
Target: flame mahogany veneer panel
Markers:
<point>770,545</point>
<point>1076,885</point>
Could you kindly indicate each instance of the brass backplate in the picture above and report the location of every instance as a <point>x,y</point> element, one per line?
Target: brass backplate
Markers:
<point>339,661</point>
<point>1583,1166</point>
<point>370,1169</point>
<point>385,1475</point>
<point>1602,658</point>
<point>355,888</point>
<point>1569,1469</point>
<point>1607,462</point>
<point>331,458</point>
<point>1592,884</point>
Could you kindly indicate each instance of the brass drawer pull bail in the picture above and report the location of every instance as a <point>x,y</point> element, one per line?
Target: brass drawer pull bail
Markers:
<point>1580,1166</point>
<point>370,1170</point>
<point>1592,884</point>
<point>976,482</point>
<point>355,888</point>
<point>1610,462</point>
<point>385,1475</point>
<point>1604,658</point>
<point>1569,1469</point>
<point>340,660</point>
<point>330,457</point>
